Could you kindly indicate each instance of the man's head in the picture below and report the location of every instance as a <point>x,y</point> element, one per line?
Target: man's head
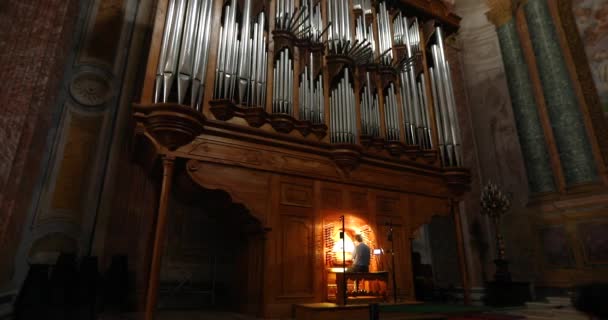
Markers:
<point>359,238</point>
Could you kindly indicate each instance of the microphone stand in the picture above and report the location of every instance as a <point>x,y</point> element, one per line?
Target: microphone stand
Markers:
<point>390,238</point>
<point>342,235</point>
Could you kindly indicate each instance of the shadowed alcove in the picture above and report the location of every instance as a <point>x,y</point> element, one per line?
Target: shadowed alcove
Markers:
<point>213,254</point>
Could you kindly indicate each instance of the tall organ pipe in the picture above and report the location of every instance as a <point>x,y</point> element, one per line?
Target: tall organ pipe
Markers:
<point>343,114</point>
<point>446,103</point>
<point>184,53</point>
<point>241,57</point>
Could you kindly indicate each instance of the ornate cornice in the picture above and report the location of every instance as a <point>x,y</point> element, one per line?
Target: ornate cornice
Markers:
<point>501,11</point>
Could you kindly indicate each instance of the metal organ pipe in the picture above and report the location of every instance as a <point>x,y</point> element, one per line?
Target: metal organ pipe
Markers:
<point>384,35</point>
<point>282,101</point>
<point>393,131</point>
<point>343,113</point>
<point>241,67</point>
<point>201,55</point>
<point>184,52</point>
<point>438,116</point>
<point>442,83</point>
<point>311,94</point>
<point>241,57</point>
<point>339,36</point>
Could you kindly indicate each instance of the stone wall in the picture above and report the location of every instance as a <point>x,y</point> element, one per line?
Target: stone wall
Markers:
<point>592,20</point>
<point>493,151</point>
<point>36,42</point>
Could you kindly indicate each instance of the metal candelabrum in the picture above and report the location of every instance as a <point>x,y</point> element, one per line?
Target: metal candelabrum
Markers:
<point>495,203</point>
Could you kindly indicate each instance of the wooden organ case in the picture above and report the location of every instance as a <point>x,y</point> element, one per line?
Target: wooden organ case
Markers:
<point>303,111</point>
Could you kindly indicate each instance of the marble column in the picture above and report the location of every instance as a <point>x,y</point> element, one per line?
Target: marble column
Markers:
<point>529,128</point>
<point>565,114</point>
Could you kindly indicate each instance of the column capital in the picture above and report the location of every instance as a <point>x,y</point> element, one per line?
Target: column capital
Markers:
<point>501,11</point>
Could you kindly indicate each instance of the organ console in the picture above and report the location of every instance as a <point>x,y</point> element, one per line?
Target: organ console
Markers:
<point>301,111</point>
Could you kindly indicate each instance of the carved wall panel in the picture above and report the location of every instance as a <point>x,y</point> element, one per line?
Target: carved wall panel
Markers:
<point>424,208</point>
<point>259,156</point>
<point>358,202</point>
<point>593,237</point>
<point>296,195</point>
<point>331,198</point>
<point>297,253</point>
<point>572,247</point>
<point>245,186</point>
<point>388,206</point>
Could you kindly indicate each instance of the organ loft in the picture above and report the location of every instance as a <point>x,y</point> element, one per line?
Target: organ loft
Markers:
<point>304,114</point>
<point>303,159</point>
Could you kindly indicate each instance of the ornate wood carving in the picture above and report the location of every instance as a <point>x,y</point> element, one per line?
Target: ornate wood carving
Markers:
<point>244,186</point>
<point>346,156</point>
<point>458,180</point>
<point>296,195</point>
<point>172,125</point>
<point>257,117</point>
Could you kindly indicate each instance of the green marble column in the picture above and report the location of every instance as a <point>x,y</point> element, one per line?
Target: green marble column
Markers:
<point>564,112</point>
<point>529,129</point>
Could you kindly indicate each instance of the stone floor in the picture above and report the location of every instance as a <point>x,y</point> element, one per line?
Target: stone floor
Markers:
<point>183,315</point>
<point>554,308</point>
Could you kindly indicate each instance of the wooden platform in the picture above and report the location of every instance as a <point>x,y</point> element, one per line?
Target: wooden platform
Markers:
<point>332,311</point>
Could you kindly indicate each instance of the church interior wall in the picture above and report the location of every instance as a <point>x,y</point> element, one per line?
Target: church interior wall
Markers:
<point>94,199</point>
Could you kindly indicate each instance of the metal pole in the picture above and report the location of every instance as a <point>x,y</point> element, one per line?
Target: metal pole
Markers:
<point>343,234</point>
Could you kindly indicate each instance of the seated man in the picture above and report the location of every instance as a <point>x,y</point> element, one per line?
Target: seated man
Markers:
<point>361,256</point>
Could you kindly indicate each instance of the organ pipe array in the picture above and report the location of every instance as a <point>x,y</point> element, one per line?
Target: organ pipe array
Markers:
<point>370,110</point>
<point>343,127</point>
<point>405,109</point>
<point>391,115</point>
<point>241,57</point>
<point>184,52</point>
<point>310,26</point>
<point>282,92</point>
<point>445,104</point>
<point>311,95</point>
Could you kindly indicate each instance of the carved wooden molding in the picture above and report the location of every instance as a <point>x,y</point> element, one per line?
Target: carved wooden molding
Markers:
<point>257,117</point>
<point>171,125</point>
<point>431,9</point>
<point>458,180</point>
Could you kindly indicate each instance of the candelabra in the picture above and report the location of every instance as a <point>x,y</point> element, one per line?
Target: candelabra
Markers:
<point>495,203</point>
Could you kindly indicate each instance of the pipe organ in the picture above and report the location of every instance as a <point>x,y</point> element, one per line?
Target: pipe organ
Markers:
<point>360,75</point>
<point>351,72</point>
<point>334,103</point>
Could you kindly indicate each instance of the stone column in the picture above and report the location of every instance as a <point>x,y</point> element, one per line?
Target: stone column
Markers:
<point>529,128</point>
<point>565,114</point>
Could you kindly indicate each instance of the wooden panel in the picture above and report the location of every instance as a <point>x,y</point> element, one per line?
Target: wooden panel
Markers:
<point>231,151</point>
<point>387,205</point>
<point>234,153</point>
<point>296,195</point>
<point>297,257</point>
<point>331,198</point>
<point>593,237</point>
<point>358,202</point>
<point>402,252</point>
<point>244,186</point>
<point>424,208</point>
<point>312,162</point>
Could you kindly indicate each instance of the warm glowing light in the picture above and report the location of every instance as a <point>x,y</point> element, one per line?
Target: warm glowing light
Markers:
<point>348,242</point>
<point>337,270</point>
<point>378,251</point>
